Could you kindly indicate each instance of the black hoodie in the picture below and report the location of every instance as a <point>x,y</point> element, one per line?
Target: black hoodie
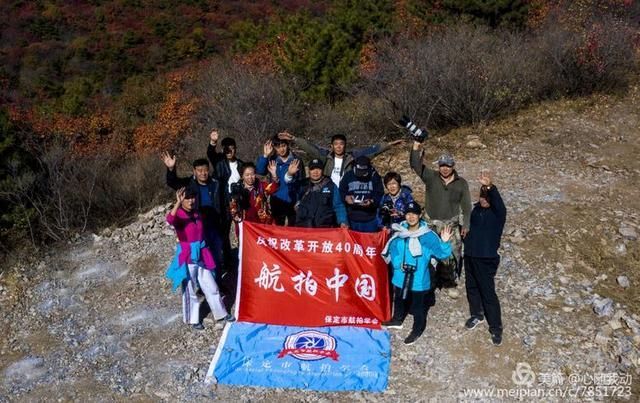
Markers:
<point>483,239</point>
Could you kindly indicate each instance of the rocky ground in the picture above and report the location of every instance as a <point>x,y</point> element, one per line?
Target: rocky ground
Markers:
<point>95,320</point>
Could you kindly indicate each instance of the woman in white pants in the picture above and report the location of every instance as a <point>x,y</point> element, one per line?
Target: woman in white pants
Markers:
<point>191,302</point>
<point>193,263</point>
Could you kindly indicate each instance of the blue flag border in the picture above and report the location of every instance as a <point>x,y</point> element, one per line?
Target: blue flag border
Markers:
<point>211,378</point>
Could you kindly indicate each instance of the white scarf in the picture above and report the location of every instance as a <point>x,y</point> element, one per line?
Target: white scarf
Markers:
<point>414,243</point>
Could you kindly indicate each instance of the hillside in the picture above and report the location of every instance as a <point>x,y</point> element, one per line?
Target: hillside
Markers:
<point>92,91</point>
<point>96,320</point>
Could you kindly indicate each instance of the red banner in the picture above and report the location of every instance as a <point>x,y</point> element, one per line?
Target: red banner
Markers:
<point>312,277</point>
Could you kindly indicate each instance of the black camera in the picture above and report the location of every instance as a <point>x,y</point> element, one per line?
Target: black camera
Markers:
<point>416,133</point>
<point>408,268</point>
<point>240,195</point>
<point>407,284</point>
<point>385,212</point>
<point>236,189</point>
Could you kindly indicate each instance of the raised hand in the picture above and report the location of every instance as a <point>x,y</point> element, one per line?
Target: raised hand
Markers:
<point>446,233</point>
<point>485,178</point>
<point>272,168</point>
<point>294,167</point>
<point>180,195</point>
<point>285,135</point>
<point>267,149</point>
<point>213,136</point>
<point>169,160</point>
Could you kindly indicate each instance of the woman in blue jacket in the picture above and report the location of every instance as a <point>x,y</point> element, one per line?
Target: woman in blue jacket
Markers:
<point>394,203</point>
<point>410,250</point>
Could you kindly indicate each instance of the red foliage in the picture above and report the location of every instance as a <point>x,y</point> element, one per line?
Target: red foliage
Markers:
<point>173,119</point>
<point>261,57</point>
<point>411,25</point>
<point>368,63</point>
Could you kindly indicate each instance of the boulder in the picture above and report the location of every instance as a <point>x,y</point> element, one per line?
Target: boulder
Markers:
<point>623,281</point>
<point>628,233</point>
<point>603,306</point>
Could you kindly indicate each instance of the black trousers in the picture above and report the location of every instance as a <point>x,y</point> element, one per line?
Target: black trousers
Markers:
<point>391,286</point>
<point>417,304</point>
<point>480,276</point>
<point>283,212</point>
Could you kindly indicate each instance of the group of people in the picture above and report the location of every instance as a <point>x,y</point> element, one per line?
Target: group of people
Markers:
<point>342,189</point>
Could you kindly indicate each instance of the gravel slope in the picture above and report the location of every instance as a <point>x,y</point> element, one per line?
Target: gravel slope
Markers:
<point>95,320</point>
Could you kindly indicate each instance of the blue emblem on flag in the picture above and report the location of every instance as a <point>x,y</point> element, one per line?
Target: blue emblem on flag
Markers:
<point>310,345</point>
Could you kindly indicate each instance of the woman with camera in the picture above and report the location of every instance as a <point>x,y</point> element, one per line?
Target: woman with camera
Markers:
<point>250,196</point>
<point>394,203</point>
<point>409,252</point>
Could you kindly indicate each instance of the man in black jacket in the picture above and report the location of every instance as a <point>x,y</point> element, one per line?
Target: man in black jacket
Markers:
<point>481,258</point>
<point>319,202</point>
<point>226,169</point>
<point>226,164</point>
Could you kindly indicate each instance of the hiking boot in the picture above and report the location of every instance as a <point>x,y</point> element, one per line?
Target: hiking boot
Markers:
<point>496,339</point>
<point>197,326</point>
<point>228,318</point>
<point>411,338</point>
<point>393,324</point>
<point>472,322</point>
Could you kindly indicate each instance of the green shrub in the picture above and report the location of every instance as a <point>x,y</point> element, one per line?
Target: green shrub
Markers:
<point>323,52</point>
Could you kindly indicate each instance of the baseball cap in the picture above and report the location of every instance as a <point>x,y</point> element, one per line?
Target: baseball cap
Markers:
<point>413,207</point>
<point>362,166</point>
<point>316,163</point>
<point>446,159</point>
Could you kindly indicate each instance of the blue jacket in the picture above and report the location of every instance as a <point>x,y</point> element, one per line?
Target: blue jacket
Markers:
<point>399,253</point>
<point>178,272</point>
<point>485,231</point>
<point>286,191</point>
<point>400,206</point>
